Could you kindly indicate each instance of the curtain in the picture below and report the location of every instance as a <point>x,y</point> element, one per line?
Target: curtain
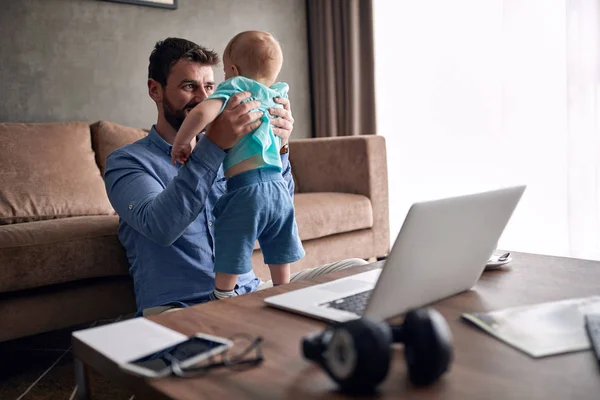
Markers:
<point>583,112</point>
<point>340,41</point>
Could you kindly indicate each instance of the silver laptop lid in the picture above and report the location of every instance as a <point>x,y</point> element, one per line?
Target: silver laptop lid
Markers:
<point>441,250</point>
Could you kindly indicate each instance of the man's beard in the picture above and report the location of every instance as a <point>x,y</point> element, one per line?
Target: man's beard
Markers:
<point>173,116</point>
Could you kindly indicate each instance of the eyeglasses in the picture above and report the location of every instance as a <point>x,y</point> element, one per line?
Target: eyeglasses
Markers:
<point>245,353</point>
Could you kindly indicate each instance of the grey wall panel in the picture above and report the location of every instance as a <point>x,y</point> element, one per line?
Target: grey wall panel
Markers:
<point>63,60</point>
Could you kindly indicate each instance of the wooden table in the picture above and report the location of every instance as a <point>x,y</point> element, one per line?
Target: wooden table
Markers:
<point>483,368</point>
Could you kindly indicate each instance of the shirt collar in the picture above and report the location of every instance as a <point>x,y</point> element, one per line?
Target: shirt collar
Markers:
<point>159,141</point>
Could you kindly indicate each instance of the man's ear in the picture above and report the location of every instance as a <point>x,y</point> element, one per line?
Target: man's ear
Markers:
<point>155,91</point>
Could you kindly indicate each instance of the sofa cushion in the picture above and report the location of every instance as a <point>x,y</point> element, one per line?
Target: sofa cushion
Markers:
<point>41,253</point>
<point>48,171</point>
<point>108,136</point>
<point>323,214</point>
<point>359,244</point>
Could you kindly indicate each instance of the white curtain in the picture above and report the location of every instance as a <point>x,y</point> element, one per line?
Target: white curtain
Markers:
<point>583,66</point>
<point>478,94</point>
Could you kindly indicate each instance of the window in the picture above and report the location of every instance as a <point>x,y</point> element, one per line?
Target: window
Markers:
<point>478,94</point>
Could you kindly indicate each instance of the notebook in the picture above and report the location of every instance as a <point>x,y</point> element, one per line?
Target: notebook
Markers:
<point>540,330</point>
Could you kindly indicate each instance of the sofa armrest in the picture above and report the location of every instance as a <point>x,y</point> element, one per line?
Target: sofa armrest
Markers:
<point>346,164</point>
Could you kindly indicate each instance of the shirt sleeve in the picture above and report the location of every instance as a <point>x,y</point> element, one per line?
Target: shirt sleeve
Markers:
<point>281,88</point>
<point>161,213</point>
<point>226,89</point>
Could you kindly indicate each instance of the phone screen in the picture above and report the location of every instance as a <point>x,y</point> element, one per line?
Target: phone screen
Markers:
<point>192,347</point>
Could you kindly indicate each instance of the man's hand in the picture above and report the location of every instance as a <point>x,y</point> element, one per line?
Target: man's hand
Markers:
<point>284,125</point>
<point>234,122</point>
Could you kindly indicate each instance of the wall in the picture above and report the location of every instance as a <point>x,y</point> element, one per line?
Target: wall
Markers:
<point>87,60</point>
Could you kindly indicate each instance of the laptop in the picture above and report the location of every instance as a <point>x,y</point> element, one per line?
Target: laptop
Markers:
<point>441,250</point>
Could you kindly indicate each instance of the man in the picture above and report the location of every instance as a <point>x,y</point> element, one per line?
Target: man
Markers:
<point>166,219</point>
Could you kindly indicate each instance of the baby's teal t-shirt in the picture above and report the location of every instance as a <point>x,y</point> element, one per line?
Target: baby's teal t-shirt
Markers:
<point>262,140</point>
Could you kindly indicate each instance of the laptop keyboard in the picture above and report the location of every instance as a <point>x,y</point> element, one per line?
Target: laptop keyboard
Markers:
<point>355,303</point>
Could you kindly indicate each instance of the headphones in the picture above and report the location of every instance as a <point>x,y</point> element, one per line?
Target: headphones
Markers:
<point>356,354</point>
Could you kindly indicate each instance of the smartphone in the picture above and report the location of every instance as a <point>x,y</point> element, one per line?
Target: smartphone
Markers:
<point>189,352</point>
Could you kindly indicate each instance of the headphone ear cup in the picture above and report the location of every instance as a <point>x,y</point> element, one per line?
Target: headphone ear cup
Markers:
<point>313,346</point>
<point>358,355</point>
<point>427,345</point>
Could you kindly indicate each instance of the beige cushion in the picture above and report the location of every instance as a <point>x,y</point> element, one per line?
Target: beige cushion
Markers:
<point>48,171</point>
<point>108,136</point>
<point>323,214</point>
<point>323,251</point>
<point>43,253</point>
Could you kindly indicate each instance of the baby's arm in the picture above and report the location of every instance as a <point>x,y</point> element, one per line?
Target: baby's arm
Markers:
<point>196,120</point>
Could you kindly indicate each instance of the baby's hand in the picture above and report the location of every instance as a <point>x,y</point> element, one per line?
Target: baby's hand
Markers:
<point>180,152</point>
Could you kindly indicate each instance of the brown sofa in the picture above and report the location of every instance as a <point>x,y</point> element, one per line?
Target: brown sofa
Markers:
<point>61,263</point>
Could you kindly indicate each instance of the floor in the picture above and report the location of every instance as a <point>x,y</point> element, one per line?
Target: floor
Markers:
<point>41,367</point>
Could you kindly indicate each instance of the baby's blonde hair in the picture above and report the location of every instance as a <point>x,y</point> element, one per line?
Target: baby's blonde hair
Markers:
<point>256,54</point>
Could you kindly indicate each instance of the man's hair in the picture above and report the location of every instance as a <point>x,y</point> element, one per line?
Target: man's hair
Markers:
<point>257,54</point>
<point>167,52</point>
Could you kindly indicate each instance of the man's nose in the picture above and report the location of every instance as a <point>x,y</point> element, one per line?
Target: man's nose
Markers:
<point>200,94</point>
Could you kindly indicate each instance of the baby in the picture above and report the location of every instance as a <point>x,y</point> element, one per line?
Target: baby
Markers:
<point>257,204</point>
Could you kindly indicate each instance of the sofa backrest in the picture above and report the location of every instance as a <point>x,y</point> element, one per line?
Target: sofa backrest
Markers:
<point>55,170</point>
<point>48,171</point>
<point>108,136</point>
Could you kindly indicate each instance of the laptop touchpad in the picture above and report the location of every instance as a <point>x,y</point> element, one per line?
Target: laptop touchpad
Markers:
<point>347,285</point>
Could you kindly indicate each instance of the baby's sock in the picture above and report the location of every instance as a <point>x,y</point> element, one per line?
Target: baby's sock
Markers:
<point>222,294</point>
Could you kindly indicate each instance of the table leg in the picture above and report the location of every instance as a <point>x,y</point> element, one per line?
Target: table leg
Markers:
<point>82,380</point>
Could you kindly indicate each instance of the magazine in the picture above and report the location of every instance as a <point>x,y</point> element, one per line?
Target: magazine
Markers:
<point>541,330</point>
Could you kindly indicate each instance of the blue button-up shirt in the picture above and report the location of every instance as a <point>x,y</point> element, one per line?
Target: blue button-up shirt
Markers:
<point>166,218</point>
